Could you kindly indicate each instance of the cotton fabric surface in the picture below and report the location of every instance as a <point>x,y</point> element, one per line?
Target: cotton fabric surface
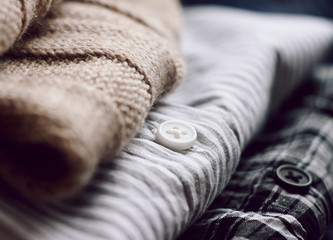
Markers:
<point>255,205</point>
<point>241,68</point>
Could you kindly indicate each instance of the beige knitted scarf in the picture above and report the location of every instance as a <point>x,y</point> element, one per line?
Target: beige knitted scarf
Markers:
<point>77,79</point>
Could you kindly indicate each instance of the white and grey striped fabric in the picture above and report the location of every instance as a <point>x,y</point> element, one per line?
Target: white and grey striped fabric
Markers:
<point>255,205</point>
<point>241,66</point>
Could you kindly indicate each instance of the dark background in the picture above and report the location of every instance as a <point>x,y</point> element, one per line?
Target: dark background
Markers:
<point>322,8</point>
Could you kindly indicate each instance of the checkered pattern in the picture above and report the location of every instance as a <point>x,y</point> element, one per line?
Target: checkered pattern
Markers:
<point>241,67</point>
<point>254,205</point>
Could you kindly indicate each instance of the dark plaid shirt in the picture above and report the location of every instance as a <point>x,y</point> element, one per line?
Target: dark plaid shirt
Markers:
<point>255,205</point>
<point>241,66</point>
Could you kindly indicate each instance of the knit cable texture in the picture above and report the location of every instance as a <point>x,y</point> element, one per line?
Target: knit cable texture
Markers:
<point>78,85</point>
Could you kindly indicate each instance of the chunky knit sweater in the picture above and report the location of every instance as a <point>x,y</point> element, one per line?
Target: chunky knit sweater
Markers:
<point>77,79</point>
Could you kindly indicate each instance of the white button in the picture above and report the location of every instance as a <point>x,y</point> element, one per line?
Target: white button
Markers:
<point>176,135</point>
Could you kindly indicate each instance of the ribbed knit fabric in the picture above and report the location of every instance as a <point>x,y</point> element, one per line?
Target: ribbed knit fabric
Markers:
<point>236,59</point>
<point>17,15</point>
<point>79,85</point>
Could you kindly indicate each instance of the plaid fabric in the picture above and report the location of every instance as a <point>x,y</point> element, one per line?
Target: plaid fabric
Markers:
<point>241,66</point>
<point>254,205</point>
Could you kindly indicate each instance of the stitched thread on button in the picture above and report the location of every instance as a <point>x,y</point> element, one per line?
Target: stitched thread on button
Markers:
<point>176,135</point>
<point>293,178</point>
<point>296,178</point>
<point>176,132</point>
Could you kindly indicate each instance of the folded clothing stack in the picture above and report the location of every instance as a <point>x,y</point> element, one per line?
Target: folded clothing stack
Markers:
<point>240,64</point>
<point>76,85</point>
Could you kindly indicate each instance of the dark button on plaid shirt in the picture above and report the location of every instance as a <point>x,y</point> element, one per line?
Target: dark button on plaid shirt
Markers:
<point>254,205</point>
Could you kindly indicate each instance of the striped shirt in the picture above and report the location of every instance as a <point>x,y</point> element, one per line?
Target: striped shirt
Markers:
<point>241,68</point>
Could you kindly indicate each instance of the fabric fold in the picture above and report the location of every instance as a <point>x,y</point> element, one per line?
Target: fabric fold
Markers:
<point>236,59</point>
<point>16,17</point>
<point>261,206</point>
<point>78,87</point>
